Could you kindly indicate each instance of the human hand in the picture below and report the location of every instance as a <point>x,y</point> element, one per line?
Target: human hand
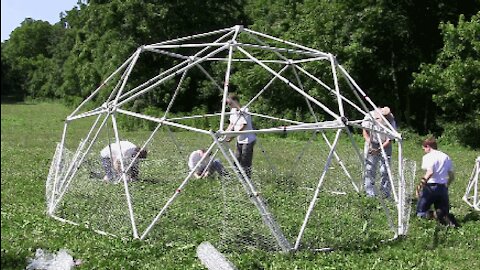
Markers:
<point>418,190</point>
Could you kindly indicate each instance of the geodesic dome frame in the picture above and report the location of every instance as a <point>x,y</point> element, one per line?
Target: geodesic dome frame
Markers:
<point>227,46</point>
<point>471,196</point>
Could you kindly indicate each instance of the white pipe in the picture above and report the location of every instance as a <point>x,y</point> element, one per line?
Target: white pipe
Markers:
<point>162,121</point>
<point>317,191</point>
<point>125,184</point>
<point>103,84</point>
<point>265,87</point>
<point>229,30</point>
<point>327,110</point>
<point>190,65</point>
<point>277,49</point>
<point>71,171</point>
<point>57,169</point>
<point>339,160</point>
<point>86,226</point>
<point>255,197</point>
<point>225,87</point>
<point>337,88</point>
<point>192,45</point>
<point>177,192</point>
<point>286,42</point>
<point>94,112</point>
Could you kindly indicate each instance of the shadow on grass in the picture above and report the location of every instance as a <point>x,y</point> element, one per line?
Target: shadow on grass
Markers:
<point>471,216</point>
<point>13,261</point>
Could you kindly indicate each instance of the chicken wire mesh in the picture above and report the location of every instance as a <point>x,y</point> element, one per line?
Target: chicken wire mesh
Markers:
<point>220,209</point>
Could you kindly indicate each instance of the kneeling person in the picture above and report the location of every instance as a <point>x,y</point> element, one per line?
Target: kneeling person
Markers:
<point>206,168</point>
<point>111,155</point>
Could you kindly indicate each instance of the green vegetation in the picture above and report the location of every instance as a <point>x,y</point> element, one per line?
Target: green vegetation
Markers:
<point>29,135</point>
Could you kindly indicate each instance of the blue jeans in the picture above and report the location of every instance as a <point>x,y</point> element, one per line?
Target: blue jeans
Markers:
<point>436,195</point>
<point>372,161</point>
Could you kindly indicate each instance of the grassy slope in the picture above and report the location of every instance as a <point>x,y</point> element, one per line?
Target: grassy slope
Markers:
<point>29,134</point>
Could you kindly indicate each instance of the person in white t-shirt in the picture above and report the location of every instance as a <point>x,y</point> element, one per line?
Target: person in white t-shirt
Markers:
<point>373,151</point>
<point>437,178</point>
<point>208,165</point>
<point>241,120</point>
<point>110,157</point>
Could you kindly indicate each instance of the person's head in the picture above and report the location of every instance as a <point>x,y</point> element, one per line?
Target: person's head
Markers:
<point>143,152</point>
<point>428,144</point>
<point>386,112</point>
<point>233,101</point>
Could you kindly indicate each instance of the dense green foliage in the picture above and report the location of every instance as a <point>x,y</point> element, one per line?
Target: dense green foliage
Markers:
<point>28,143</point>
<point>383,44</point>
<point>453,80</point>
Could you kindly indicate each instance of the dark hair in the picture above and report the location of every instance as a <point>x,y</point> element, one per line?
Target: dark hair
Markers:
<point>233,96</point>
<point>143,153</point>
<point>431,142</point>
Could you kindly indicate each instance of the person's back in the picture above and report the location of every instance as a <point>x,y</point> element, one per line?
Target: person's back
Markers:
<point>208,166</point>
<point>242,121</point>
<point>434,184</point>
<point>112,154</point>
<point>440,164</point>
<point>371,136</point>
<point>114,150</point>
<point>194,158</point>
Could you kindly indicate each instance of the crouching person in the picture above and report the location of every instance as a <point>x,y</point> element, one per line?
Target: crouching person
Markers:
<point>111,160</point>
<point>434,185</point>
<point>207,167</point>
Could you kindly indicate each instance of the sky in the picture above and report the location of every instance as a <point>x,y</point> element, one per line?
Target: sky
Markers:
<point>15,11</point>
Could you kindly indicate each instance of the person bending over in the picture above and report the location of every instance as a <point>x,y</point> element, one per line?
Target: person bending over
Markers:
<point>208,165</point>
<point>111,159</point>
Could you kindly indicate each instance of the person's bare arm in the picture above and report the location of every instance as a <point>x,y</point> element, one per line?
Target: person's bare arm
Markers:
<point>366,136</point>
<point>428,174</point>
<point>386,143</point>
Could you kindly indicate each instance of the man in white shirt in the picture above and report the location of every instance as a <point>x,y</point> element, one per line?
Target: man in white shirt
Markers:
<point>438,176</point>
<point>111,154</point>
<point>241,120</point>
<point>373,151</point>
<point>208,165</point>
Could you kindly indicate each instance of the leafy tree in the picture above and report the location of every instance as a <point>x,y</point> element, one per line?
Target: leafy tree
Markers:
<point>28,45</point>
<point>453,81</point>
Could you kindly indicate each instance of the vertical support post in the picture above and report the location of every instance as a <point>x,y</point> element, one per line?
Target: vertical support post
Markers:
<point>125,184</point>
<point>177,192</point>
<point>317,190</point>
<point>51,207</point>
<point>227,77</point>
<point>256,198</point>
<point>335,81</point>
<point>401,191</point>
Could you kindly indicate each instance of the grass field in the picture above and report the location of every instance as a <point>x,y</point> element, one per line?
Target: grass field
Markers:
<point>29,135</point>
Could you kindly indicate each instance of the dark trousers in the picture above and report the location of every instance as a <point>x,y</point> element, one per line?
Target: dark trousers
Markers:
<point>215,166</point>
<point>111,173</point>
<point>244,156</point>
<point>436,195</point>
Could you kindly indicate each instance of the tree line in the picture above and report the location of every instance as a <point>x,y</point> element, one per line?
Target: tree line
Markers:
<point>421,58</point>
